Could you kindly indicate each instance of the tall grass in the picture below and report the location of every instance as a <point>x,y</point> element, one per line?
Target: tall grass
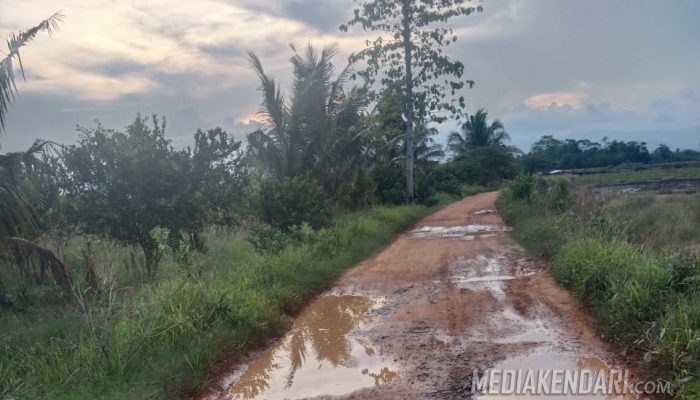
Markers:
<point>662,222</point>
<point>631,260</point>
<point>160,340</point>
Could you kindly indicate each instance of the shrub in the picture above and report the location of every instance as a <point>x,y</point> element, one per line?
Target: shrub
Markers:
<point>266,238</point>
<point>289,202</point>
<point>390,184</point>
<point>521,188</point>
<point>444,179</point>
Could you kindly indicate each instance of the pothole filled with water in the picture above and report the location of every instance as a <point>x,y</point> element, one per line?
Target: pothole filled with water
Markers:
<point>323,353</point>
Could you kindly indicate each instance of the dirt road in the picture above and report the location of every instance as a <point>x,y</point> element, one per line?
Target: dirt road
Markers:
<point>449,297</point>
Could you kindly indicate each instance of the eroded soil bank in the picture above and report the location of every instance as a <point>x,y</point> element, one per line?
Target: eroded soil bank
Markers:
<point>449,297</point>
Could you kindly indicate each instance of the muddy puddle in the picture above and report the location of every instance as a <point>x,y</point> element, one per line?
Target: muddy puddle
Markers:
<point>586,375</point>
<point>324,352</point>
<point>487,276</point>
<point>464,232</point>
<point>466,272</point>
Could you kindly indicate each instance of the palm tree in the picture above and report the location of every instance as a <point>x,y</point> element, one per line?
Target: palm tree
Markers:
<point>17,210</point>
<point>19,214</point>
<point>316,130</point>
<point>426,150</point>
<point>17,40</point>
<point>477,132</point>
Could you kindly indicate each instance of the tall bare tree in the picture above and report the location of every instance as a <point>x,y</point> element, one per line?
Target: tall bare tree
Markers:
<point>410,50</point>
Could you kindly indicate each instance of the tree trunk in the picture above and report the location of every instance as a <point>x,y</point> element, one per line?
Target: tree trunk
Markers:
<point>152,256</point>
<point>91,266</point>
<point>407,45</point>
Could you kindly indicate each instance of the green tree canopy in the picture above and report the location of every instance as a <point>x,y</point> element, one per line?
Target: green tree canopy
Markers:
<point>125,184</point>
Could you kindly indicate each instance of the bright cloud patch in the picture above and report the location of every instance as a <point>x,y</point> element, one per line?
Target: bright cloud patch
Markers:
<point>205,39</point>
<point>574,99</point>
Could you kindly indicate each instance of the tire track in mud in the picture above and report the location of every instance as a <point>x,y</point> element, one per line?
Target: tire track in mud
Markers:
<point>449,297</point>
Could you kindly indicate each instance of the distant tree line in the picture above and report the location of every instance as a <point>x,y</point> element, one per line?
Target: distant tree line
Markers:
<point>550,153</point>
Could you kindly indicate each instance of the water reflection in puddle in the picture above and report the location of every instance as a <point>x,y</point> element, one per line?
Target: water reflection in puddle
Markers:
<point>562,361</point>
<point>321,354</point>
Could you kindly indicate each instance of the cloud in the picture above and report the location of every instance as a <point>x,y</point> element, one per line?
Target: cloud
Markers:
<point>574,99</point>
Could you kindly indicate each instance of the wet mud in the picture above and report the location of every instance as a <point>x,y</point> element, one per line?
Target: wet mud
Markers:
<point>450,297</point>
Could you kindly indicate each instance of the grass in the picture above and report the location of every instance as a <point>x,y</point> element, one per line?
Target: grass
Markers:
<point>631,259</point>
<point>662,222</point>
<point>137,340</point>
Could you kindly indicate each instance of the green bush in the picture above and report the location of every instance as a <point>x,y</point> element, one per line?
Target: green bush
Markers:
<point>444,179</point>
<point>266,238</point>
<point>521,188</point>
<point>390,184</point>
<point>289,202</point>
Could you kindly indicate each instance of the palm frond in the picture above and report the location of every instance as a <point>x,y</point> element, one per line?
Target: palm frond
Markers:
<point>17,40</point>
<point>321,126</point>
<point>19,202</point>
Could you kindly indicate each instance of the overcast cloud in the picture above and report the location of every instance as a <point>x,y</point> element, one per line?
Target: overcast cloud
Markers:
<point>622,69</point>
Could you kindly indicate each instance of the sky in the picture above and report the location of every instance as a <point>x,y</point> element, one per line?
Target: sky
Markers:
<point>625,70</point>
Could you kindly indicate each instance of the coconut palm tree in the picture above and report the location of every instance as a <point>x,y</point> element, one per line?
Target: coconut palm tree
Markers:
<point>315,130</point>
<point>18,198</point>
<point>477,132</point>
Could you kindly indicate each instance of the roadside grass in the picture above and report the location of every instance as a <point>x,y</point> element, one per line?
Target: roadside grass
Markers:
<point>662,222</point>
<point>631,259</point>
<point>160,340</point>
<point>635,176</point>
